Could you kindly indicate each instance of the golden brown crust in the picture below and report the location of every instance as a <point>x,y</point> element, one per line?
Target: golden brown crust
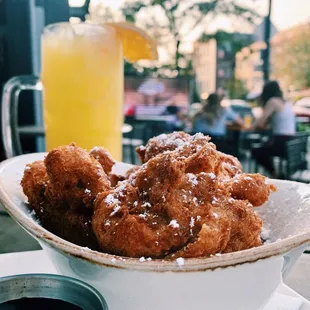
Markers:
<point>160,144</point>
<point>178,204</point>
<point>115,178</point>
<point>187,199</point>
<point>34,183</point>
<point>251,187</point>
<point>104,158</point>
<point>75,177</point>
<point>62,188</point>
<point>68,224</point>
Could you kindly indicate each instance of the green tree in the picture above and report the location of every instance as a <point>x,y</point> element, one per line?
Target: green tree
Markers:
<point>173,20</point>
<point>236,89</point>
<point>291,58</point>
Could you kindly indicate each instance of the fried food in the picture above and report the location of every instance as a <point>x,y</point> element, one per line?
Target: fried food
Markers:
<point>34,183</point>
<point>228,166</point>
<point>75,177</point>
<point>104,158</point>
<point>186,200</point>
<point>250,187</point>
<point>161,144</point>
<point>115,178</point>
<point>179,204</point>
<point>62,189</point>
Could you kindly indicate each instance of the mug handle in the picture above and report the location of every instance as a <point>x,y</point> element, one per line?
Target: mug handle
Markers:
<point>10,96</point>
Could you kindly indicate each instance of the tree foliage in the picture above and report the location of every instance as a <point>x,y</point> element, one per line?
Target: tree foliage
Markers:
<point>171,21</point>
<point>291,59</point>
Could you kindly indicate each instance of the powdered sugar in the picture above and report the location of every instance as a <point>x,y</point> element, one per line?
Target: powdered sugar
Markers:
<point>115,210</point>
<point>174,224</point>
<point>214,200</point>
<point>192,222</point>
<point>180,261</point>
<point>212,175</point>
<point>215,215</point>
<point>192,179</point>
<point>143,215</point>
<point>265,233</point>
<point>96,149</point>
<point>121,187</point>
<point>146,205</point>
<point>110,199</point>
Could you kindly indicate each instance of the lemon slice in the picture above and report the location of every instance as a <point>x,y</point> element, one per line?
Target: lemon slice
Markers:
<point>137,44</point>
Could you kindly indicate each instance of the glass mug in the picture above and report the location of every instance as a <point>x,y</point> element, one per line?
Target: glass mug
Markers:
<point>82,81</point>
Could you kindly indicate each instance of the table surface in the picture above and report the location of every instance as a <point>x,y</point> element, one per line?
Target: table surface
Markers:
<point>38,262</point>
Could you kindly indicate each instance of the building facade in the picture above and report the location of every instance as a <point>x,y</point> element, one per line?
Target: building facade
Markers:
<point>214,60</point>
<point>204,64</point>
<point>249,66</point>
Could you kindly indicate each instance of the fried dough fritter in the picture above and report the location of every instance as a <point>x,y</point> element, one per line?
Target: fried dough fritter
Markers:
<point>59,219</point>
<point>161,144</point>
<point>34,183</point>
<point>62,188</point>
<point>228,166</point>
<point>178,204</point>
<point>104,158</point>
<point>251,187</point>
<point>186,200</point>
<point>115,178</point>
<point>75,177</point>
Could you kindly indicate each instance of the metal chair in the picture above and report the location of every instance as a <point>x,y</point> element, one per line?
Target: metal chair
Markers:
<point>297,161</point>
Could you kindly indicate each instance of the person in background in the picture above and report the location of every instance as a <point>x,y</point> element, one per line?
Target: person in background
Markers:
<point>177,121</point>
<point>279,114</point>
<point>212,118</point>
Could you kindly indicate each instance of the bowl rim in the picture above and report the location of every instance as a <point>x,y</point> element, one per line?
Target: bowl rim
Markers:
<point>277,248</point>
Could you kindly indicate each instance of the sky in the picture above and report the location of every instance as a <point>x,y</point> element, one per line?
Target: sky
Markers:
<point>285,13</point>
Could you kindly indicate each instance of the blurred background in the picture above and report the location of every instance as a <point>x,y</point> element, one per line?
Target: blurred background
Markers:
<point>218,46</point>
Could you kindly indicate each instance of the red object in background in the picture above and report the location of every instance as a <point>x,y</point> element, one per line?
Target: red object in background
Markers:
<point>162,93</point>
<point>130,111</point>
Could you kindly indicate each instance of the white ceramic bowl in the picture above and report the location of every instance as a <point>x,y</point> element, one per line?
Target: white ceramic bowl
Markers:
<point>242,280</point>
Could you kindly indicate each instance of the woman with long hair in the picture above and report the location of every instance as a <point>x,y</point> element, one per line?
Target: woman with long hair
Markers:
<point>212,118</point>
<point>279,114</point>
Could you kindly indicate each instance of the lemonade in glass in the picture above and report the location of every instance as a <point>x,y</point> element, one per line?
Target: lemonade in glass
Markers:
<point>83,84</point>
<point>82,75</point>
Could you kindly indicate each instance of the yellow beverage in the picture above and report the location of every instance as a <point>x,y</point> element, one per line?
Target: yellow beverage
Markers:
<point>247,121</point>
<point>82,75</point>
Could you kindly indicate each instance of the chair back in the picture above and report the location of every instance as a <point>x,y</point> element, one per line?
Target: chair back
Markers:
<point>304,137</point>
<point>296,150</point>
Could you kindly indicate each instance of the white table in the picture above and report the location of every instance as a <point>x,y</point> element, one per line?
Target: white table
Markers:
<point>25,262</point>
<point>38,262</point>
